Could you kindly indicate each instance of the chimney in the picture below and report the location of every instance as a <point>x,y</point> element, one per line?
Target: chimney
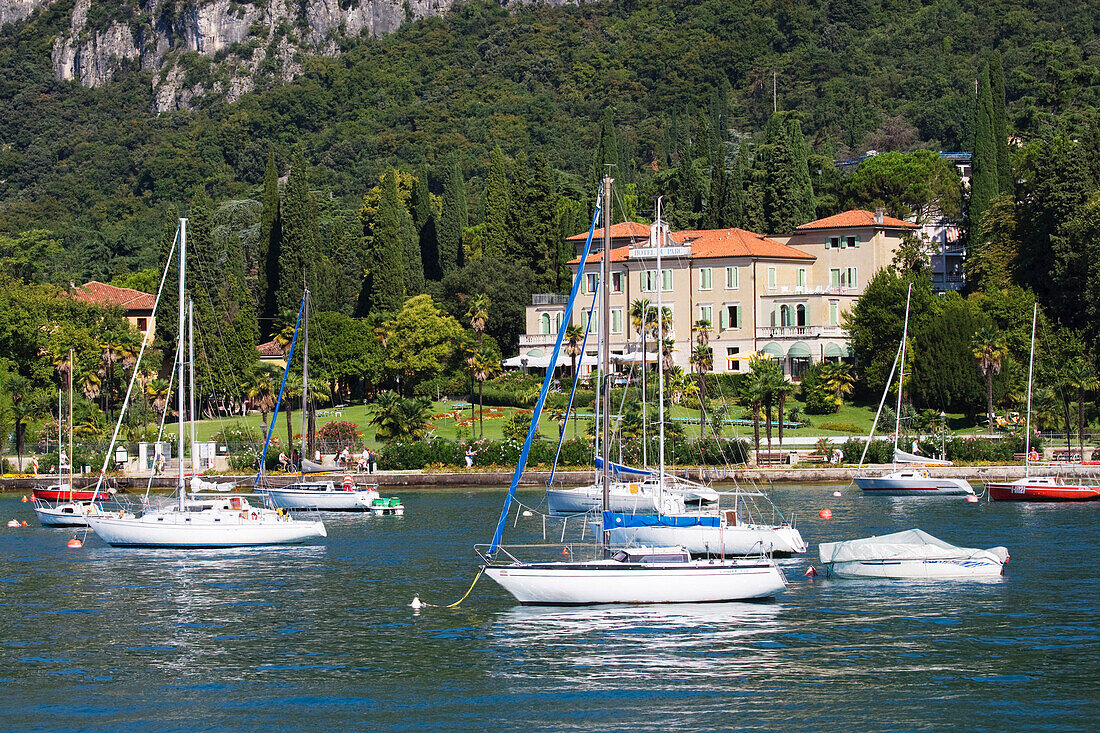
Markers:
<point>878,214</point>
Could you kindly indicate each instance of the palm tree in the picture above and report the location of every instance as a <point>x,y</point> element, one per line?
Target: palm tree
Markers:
<point>398,418</point>
<point>574,337</point>
<point>702,357</point>
<point>755,389</point>
<point>1080,377</point>
<point>643,317</point>
<point>837,378</point>
<point>262,395</point>
<point>157,390</point>
<point>989,349</point>
<point>783,389</point>
<point>478,313</point>
<point>481,368</point>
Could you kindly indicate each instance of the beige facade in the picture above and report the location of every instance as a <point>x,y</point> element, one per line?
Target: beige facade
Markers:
<point>785,297</point>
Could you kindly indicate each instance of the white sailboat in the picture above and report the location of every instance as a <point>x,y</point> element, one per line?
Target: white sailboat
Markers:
<point>209,521</point>
<point>906,481</point>
<point>637,575</point>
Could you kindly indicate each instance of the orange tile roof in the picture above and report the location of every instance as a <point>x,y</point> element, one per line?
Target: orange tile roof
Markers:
<point>270,348</point>
<point>104,294</point>
<point>855,218</point>
<point>707,243</point>
<point>622,229</point>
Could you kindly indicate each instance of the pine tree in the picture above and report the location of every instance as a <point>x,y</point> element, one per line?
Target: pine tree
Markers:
<point>387,286</point>
<point>267,255</point>
<point>454,219</point>
<point>983,179</point>
<point>496,206</point>
<point>805,190</point>
<point>299,248</point>
<point>1005,181</point>
<point>410,248</point>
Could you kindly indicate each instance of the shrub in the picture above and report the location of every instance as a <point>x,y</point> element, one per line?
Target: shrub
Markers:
<point>516,426</point>
<point>879,451</point>
<point>840,427</point>
<point>412,456</point>
<point>340,432</point>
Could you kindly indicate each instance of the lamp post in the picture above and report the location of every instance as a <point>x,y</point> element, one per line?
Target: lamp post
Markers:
<point>943,435</point>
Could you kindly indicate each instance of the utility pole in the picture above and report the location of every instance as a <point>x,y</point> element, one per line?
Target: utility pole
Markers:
<point>775,93</point>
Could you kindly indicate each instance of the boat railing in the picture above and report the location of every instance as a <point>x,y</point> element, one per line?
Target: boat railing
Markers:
<point>555,552</point>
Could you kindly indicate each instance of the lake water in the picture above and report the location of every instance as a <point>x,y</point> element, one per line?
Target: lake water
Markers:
<point>318,638</point>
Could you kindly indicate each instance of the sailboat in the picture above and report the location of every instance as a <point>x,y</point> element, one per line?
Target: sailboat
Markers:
<point>207,521</point>
<point>1038,488</point>
<point>730,532</point>
<point>635,575</point>
<point>906,481</point>
<point>304,494</point>
<point>70,512</point>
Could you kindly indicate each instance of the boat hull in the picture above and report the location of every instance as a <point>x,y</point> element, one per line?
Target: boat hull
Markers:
<point>583,584</point>
<point>587,499</point>
<point>744,539</point>
<point>917,569</point>
<point>175,531</point>
<point>56,493</point>
<point>63,515</point>
<point>1024,492</point>
<point>330,501</point>
<point>910,486</point>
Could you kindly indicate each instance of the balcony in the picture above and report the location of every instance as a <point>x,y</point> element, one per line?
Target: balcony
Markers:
<point>799,332</point>
<point>549,299</point>
<point>537,339</point>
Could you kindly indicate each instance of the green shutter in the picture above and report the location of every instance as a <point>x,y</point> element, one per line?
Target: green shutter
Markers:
<point>737,314</point>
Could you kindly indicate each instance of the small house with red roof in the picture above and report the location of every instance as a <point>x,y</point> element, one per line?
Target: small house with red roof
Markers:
<point>136,305</point>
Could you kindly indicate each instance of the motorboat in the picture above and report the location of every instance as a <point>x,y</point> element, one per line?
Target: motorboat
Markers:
<point>912,554</point>
<point>65,514</point>
<point>1042,488</point>
<point>229,521</point>
<point>66,492</point>
<point>637,575</point>
<point>912,482</point>
<point>322,495</point>
<point>704,533</point>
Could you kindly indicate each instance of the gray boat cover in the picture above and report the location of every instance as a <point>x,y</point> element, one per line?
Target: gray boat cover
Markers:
<point>912,544</point>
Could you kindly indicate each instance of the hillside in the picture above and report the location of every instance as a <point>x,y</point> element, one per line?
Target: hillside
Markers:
<point>99,166</point>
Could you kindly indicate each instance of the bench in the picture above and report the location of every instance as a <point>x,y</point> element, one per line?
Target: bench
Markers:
<point>1019,457</point>
<point>773,458</point>
<point>815,458</point>
<point>1066,455</point>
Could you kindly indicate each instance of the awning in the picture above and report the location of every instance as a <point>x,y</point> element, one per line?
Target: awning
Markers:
<point>635,357</point>
<point>531,360</point>
<point>747,356</point>
<point>836,350</point>
<point>773,349</point>
<point>799,350</point>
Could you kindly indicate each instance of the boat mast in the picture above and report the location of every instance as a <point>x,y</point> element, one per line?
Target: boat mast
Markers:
<point>1030,370</point>
<point>605,358</point>
<point>191,385</point>
<point>305,384</point>
<point>901,375</point>
<point>59,479</point>
<point>72,357</point>
<point>181,332</point>
<point>660,242</point>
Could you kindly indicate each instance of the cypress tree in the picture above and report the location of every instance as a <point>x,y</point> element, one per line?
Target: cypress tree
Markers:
<point>426,222</point>
<point>421,203</point>
<point>805,203</point>
<point>410,248</point>
<point>717,198</point>
<point>387,287</point>
<point>267,255</point>
<point>520,216</point>
<point>983,179</point>
<point>299,248</point>
<point>733,213</point>
<point>496,206</point>
<point>454,219</point>
<point>1005,182</point>
<point>782,193</point>
<point>607,149</point>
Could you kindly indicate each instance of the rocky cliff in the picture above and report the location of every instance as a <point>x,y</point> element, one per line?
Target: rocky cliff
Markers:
<point>201,47</point>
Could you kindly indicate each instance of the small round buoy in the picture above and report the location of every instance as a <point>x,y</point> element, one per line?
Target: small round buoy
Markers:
<point>24,523</point>
<point>825,514</point>
<point>972,499</point>
<point>836,493</point>
<point>811,572</point>
<point>416,604</point>
<point>528,513</point>
<point>13,523</point>
<point>75,544</point>
<point>565,550</point>
<point>24,500</point>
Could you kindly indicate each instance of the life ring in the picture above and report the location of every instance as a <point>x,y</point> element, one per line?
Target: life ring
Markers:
<point>255,516</point>
<point>349,483</point>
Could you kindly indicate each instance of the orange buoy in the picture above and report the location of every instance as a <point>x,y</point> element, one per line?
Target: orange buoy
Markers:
<point>565,550</point>
<point>825,514</point>
<point>75,544</point>
<point>24,523</point>
<point>24,499</point>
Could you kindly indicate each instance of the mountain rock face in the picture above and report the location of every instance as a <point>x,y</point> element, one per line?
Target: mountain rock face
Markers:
<point>211,47</point>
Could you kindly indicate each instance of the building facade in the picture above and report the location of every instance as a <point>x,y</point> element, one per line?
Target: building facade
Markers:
<point>784,297</point>
<point>136,306</point>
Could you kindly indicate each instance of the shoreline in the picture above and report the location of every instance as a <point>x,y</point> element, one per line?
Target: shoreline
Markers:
<point>534,477</point>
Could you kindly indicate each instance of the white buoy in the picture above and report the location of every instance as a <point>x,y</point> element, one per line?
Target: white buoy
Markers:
<point>13,523</point>
<point>972,499</point>
<point>836,493</point>
<point>528,513</point>
<point>416,604</point>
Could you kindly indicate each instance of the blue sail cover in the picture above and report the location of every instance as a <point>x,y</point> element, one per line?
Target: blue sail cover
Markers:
<point>614,519</point>
<point>618,469</point>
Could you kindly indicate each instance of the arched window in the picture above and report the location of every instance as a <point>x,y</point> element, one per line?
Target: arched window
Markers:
<point>544,323</point>
<point>784,315</point>
<point>800,314</point>
<point>557,323</point>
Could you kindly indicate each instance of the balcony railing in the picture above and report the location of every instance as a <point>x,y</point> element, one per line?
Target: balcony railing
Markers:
<point>549,299</point>
<point>537,339</point>
<point>778,332</point>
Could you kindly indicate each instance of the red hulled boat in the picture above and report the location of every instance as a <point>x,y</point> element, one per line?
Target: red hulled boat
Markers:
<point>1042,488</point>
<point>62,492</point>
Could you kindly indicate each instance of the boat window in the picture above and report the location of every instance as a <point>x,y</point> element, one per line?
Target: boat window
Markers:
<point>620,556</point>
<point>669,557</point>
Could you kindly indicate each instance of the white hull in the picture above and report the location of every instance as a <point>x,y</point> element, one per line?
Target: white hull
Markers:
<point>627,498</point>
<point>576,584</point>
<point>334,501</point>
<point>912,483</point>
<point>69,514</point>
<point>917,569</point>
<point>190,529</point>
<point>742,539</point>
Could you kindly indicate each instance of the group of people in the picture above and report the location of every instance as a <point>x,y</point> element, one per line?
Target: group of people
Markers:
<point>365,462</point>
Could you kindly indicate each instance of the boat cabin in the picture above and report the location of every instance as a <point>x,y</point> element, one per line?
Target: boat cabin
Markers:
<point>652,555</point>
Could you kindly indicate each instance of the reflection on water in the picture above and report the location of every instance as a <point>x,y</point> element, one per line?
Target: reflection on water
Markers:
<point>320,637</point>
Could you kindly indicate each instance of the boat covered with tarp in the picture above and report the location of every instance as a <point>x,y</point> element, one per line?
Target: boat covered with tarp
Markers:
<point>910,554</point>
